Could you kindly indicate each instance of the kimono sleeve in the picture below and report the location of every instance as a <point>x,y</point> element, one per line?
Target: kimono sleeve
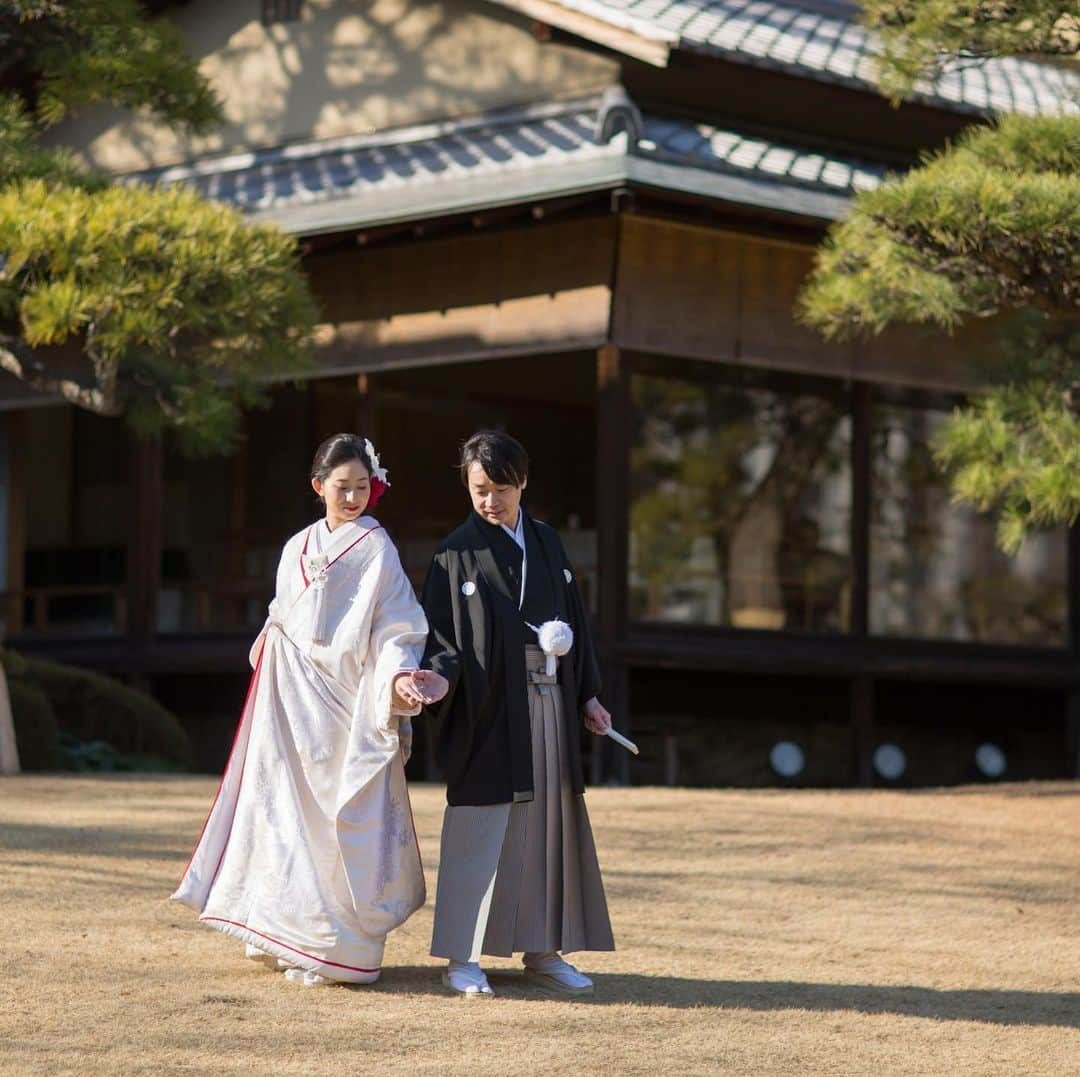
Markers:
<point>398,631</point>
<point>443,653</point>
<point>588,663</point>
<point>273,612</point>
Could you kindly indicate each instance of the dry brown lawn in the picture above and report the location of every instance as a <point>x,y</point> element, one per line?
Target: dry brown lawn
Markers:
<point>763,932</point>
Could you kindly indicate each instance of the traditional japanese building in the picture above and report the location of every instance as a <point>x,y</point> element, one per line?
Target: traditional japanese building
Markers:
<point>586,221</point>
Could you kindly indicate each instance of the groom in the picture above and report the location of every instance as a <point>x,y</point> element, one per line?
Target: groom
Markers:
<point>518,869</point>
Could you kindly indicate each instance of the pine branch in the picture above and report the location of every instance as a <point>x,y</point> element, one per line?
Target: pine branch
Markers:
<point>17,359</point>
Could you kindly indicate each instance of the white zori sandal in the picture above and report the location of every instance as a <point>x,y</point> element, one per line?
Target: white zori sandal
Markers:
<point>312,979</point>
<point>467,979</point>
<point>551,973</point>
<point>306,978</point>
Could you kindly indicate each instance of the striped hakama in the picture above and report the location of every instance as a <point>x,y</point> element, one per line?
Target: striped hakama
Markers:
<point>523,877</point>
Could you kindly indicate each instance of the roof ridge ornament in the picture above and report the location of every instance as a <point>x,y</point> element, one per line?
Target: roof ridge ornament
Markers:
<point>617,112</point>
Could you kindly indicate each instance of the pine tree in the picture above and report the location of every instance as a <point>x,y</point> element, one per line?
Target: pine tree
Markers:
<point>138,301</point>
<point>989,227</point>
<point>920,39</point>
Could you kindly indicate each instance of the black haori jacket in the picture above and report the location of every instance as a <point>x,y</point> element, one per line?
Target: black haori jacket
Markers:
<point>476,640</point>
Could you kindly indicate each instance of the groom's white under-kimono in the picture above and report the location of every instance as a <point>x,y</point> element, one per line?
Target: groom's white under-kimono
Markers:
<point>309,851</point>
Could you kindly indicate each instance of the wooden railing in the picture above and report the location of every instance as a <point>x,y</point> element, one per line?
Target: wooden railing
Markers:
<point>208,605</point>
<point>14,604</point>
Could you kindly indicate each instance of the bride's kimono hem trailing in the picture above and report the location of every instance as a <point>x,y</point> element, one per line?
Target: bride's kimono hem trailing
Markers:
<point>309,851</point>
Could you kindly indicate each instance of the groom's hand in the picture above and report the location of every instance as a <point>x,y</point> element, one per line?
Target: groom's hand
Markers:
<point>597,719</point>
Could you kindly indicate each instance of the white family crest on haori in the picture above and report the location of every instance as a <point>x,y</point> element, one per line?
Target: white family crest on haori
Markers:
<point>556,638</point>
<point>309,852</point>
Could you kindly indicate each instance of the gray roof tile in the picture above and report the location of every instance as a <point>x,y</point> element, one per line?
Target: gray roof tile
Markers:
<point>409,167</point>
<point>821,38</point>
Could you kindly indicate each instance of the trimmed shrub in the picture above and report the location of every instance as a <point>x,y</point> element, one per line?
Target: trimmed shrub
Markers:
<point>90,707</point>
<point>36,734</point>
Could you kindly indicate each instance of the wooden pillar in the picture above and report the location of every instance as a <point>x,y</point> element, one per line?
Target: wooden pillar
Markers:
<point>146,493</point>
<point>238,507</point>
<point>861,478</point>
<point>365,406</point>
<point>1073,584</point>
<point>862,732</point>
<point>612,516</point>
<point>16,523</point>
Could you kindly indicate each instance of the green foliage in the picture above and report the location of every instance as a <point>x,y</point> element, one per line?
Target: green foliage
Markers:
<point>177,311</point>
<point>90,707</point>
<point>1016,448</point>
<point>36,732</point>
<point>988,227</point>
<point>89,51</point>
<point>172,299</point>
<point>921,38</point>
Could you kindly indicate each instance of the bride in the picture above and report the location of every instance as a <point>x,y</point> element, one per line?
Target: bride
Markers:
<point>309,855</point>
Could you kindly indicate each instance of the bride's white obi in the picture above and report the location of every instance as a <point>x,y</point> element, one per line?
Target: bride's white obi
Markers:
<point>309,851</point>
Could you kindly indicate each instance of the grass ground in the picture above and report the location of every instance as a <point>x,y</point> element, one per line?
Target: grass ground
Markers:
<point>759,933</point>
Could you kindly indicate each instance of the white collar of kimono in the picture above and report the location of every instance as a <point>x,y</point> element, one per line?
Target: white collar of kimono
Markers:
<point>322,547</point>
<point>332,542</point>
<point>518,535</point>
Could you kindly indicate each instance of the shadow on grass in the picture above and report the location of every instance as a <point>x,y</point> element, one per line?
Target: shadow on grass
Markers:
<point>619,989</point>
<point>104,840</point>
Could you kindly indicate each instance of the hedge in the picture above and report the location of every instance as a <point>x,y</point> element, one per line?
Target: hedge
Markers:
<point>36,734</point>
<point>90,707</point>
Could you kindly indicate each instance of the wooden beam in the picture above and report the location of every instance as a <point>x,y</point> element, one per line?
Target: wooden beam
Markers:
<point>734,650</point>
<point>612,514</point>
<point>569,320</point>
<point>637,38</point>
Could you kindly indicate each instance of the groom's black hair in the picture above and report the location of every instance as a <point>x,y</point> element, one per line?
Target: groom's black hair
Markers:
<point>502,457</point>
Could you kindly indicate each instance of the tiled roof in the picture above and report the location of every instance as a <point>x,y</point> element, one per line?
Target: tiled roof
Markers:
<point>513,156</point>
<point>822,39</point>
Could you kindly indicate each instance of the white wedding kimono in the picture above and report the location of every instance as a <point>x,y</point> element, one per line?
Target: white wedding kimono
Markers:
<point>309,851</point>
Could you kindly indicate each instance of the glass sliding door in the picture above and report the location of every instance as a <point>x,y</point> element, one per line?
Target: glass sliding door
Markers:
<point>740,499</point>
<point>936,572</point>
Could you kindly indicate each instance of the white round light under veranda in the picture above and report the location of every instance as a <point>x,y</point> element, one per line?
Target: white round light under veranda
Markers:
<point>890,761</point>
<point>787,759</point>
<point>990,760</point>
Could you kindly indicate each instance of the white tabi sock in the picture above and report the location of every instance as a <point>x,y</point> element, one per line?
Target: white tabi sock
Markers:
<point>551,964</point>
<point>467,978</point>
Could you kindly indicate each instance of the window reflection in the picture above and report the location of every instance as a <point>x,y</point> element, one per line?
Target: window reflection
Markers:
<point>740,503</point>
<point>936,572</point>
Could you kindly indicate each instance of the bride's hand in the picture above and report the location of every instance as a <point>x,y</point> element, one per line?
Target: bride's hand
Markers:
<point>421,687</point>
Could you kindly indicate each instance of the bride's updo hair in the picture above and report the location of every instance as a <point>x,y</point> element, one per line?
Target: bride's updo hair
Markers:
<point>336,450</point>
<point>339,449</point>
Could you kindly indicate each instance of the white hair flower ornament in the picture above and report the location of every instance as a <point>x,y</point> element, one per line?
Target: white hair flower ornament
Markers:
<point>380,477</point>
